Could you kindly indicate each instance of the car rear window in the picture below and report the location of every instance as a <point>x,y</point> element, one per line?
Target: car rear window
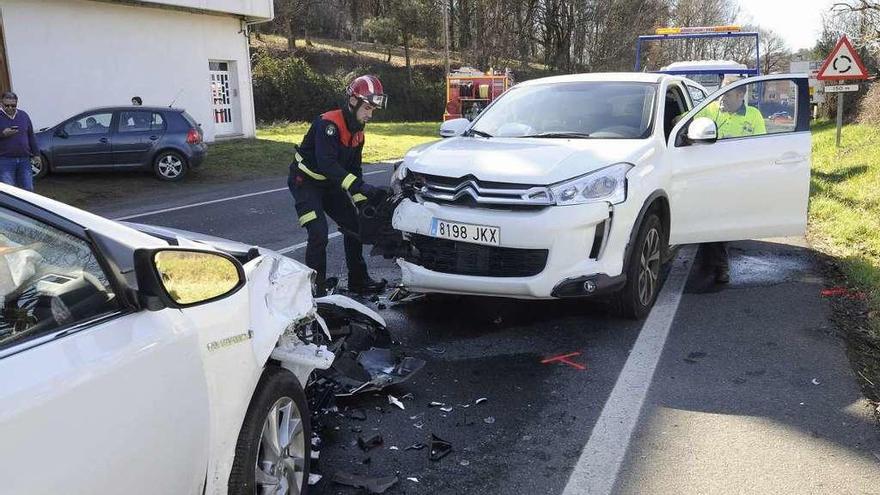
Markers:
<point>191,121</point>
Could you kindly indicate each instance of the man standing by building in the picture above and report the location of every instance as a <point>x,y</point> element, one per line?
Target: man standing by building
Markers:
<point>326,179</point>
<point>18,145</point>
<point>734,118</point>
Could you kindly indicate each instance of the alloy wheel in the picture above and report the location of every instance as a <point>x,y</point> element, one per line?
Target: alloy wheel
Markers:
<point>649,267</point>
<point>281,453</point>
<point>170,166</point>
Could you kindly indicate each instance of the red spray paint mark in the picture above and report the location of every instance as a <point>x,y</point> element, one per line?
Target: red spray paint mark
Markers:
<point>842,292</point>
<point>564,359</point>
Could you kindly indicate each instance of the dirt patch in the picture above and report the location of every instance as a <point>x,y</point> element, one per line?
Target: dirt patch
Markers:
<point>852,318</point>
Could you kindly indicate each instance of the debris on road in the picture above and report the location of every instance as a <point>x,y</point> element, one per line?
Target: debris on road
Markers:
<point>480,400</point>
<point>314,479</point>
<point>816,381</point>
<point>394,400</point>
<point>416,446</point>
<point>436,404</point>
<point>436,349</point>
<point>408,396</point>
<point>439,448</point>
<point>371,485</point>
<point>357,414</point>
<point>490,420</point>
<point>414,480</point>
<point>370,442</point>
<point>419,425</point>
<point>446,409</point>
<point>465,462</point>
<point>401,295</point>
<point>564,358</point>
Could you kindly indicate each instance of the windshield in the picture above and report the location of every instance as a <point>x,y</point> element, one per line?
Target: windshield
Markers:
<point>592,110</point>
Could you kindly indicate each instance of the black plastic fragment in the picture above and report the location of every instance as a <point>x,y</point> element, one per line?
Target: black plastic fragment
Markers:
<point>371,485</point>
<point>370,442</point>
<point>439,448</point>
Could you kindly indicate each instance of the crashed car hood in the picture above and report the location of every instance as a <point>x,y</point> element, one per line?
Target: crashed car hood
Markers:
<point>534,161</point>
<point>186,238</point>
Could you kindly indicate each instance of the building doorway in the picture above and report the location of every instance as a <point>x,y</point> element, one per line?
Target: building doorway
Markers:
<point>224,98</point>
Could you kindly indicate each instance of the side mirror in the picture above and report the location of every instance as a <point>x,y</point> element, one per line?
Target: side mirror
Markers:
<point>454,127</point>
<point>180,278</point>
<point>61,133</point>
<point>702,130</point>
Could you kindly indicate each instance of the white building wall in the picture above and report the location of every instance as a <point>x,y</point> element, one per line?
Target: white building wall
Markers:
<point>66,56</point>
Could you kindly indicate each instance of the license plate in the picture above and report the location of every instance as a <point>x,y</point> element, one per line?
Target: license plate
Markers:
<point>466,232</point>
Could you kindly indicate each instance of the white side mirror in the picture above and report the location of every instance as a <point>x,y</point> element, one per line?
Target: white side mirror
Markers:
<point>454,127</point>
<point>702,130</point>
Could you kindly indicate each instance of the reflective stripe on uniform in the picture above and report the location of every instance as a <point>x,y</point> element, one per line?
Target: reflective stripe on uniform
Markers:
<point>348,181</point>
<point>311,174</point>
<point>308,217</point>
<point>358,197</point>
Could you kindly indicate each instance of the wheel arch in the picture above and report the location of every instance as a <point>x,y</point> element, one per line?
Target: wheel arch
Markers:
<point>163,149</point>
<point>656,201</point>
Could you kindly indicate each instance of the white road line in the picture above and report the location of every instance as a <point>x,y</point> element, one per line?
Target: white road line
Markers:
<point>214,201</point>
<point>596,470</point>
<point>301,245</point>
<point>203,203</point>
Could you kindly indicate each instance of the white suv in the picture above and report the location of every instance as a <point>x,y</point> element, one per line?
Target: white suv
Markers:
<point>576,185</point>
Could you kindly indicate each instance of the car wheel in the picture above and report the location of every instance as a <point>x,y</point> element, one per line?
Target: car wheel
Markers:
<point>643,270</point>
<point>170,166</point>
<point>42,169</point>
<point>274,445</point>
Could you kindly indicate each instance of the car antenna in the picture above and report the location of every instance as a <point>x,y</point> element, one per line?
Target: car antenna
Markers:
<point>175,98</point>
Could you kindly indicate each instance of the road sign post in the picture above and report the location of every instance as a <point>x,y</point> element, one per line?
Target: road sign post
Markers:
<point>842,63</point>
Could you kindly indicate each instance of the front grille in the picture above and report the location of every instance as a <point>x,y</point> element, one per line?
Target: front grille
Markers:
<point>472,192</point>
<point>463,258</point>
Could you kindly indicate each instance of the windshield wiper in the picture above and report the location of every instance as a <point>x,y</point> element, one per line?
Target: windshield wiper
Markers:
<point>557,135</point>
<point>471,132</point>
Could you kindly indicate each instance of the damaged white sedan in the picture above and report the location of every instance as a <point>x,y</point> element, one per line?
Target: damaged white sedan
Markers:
<point>159,363</point>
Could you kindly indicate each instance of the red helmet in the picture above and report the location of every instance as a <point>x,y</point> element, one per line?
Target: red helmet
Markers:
<point>369,90</point>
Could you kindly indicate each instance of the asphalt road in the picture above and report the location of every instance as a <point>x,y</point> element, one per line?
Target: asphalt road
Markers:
<point>740,389</point>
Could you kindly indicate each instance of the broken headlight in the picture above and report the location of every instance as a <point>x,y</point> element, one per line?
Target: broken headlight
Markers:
<point>604,185</point>
<point>398,177</point>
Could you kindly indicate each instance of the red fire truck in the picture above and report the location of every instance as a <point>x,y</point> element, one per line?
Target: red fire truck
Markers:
<point>469,91</point>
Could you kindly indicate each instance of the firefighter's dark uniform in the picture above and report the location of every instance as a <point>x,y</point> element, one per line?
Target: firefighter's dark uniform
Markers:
<point>326,179</point>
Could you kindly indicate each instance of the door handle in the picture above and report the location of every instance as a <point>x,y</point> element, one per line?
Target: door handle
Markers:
<point>789,159</point>
<point>153,138</point>
<point>103,140</point>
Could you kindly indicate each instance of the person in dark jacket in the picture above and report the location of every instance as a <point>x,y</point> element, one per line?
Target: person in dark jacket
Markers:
<point>326,180</point>
<point>18,145</point>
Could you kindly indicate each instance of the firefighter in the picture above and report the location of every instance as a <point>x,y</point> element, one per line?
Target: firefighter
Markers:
<point>326,179</point>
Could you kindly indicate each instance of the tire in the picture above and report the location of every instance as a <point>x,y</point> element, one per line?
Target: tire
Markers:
<point>170,166</point>
<point>278,395</point>
<point>643,278</point>
<point>43,171</point>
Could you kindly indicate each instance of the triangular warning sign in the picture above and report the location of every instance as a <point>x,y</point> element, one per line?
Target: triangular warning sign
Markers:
<point>843,63</point>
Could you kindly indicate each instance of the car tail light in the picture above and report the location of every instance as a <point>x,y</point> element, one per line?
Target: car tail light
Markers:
<point>193,136</point>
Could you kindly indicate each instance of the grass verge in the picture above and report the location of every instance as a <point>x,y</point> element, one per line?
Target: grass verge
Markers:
<point>230,161</point>
<point>845,224</point>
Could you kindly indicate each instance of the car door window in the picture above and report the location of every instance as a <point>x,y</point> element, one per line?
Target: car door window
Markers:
<point>95,123</point>
<point>754,109</point>
<point>48,280</point>
<point>697,94</point>
<point>140,121</point>
<point>675,108</point>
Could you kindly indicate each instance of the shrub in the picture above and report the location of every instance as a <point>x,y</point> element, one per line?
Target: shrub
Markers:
<point>869,110</point>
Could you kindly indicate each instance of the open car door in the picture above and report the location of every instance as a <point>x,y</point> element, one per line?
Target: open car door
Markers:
<point>740,163</point>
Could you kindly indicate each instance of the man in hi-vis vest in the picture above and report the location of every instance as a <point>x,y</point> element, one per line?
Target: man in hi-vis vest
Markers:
<point>326,179</point>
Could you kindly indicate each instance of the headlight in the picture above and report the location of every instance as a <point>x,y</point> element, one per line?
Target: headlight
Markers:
<point>604,185</point>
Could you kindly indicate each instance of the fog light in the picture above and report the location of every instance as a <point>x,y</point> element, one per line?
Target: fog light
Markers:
<point>589,286</point>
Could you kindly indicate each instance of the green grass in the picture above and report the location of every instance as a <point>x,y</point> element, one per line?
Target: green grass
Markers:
<point>384,140</point>
<point>845,205</point>
<point>230,161</point>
